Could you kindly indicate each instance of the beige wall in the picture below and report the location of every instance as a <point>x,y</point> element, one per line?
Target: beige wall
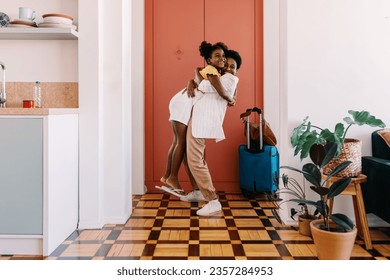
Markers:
<point>54,95</point>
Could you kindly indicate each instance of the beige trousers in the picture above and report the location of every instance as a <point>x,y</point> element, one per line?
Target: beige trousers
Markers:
<point>197,164</point>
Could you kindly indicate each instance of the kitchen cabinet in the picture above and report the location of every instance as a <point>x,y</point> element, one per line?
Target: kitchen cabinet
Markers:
<point>21,168</point>
<point>38,179</point>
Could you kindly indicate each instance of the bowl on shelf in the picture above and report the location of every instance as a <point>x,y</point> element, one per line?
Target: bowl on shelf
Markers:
<point>57,18</point>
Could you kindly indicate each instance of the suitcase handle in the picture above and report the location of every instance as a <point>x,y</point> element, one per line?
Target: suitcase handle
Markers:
<point>246,117</point>
<point>249,111</point>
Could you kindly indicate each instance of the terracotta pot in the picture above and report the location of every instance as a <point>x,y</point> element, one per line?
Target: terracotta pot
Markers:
<point>332,245</point>
<point>304,224</point>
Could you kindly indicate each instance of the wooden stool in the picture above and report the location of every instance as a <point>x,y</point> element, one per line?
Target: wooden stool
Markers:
<point>355,190</point>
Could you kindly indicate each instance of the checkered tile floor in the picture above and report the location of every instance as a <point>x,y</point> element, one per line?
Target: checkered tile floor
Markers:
<point>163,227</point>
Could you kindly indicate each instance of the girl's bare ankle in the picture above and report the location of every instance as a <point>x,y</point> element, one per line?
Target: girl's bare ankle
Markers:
<point>173,183</point>
<point>163,180</point>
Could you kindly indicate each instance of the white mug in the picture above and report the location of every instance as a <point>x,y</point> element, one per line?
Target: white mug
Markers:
<point>26,13</point>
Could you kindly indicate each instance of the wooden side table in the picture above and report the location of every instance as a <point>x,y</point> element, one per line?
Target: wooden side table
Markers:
<point>354,189</point>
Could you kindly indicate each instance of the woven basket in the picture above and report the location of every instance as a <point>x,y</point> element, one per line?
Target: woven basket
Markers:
<point>351,150</point>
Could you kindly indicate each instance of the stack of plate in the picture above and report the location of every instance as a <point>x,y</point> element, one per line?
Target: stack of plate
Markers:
<point>57,21</point>
<point>4,19</point>
<point>22,23</point>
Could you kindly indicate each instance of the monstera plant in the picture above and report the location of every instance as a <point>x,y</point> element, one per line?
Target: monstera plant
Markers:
<point>306,134</point>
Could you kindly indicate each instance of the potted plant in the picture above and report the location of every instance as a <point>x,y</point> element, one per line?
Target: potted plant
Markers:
<point>292,188</point>
<point>332,231</point>
<point>306,135</point>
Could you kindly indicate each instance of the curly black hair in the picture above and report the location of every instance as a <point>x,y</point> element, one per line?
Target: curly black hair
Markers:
<point>206,49</point>
<point>235,55</point>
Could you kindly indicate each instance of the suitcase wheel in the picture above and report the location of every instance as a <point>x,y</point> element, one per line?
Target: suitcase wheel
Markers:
<point>248,194</point>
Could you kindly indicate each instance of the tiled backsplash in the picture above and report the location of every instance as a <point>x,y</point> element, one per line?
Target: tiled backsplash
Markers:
<point>54,95</point>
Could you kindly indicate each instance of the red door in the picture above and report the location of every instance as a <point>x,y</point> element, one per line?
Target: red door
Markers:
<point>173,32</point>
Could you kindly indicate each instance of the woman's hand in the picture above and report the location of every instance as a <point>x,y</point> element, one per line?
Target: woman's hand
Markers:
<point>233,102</point>
<point>191,86</point>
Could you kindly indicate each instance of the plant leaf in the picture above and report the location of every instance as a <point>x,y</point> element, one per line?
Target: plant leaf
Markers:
<point>338,187</point>
<point>317,153</point>
<point>359,118</point>
<point>305,201</point>
<point>339,131</point>
<point>290,192</point>
<point>297,132</point>
<point>294,169</point>
<point>338,169</point>
<point>312,173</point>
<point>342,221</point>
<point>311,139</point>
<point>348,120</point>
<point>327,135</point>
<point>330,152</point>
<point>322,208</point>
<point>364,117</point>
<point>285,180</point>
<point>320,190</point>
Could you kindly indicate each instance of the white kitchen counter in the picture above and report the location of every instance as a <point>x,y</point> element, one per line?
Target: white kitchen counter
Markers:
<point>38,111</point>
<point>39,179</point>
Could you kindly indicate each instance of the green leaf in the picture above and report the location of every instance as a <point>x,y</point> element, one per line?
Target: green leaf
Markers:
<point>359,118</point>
<point>312,173</point>
<point>322,208</point>
<point>320,190</point>
<point>294,169</point>
<point>342,221</point>
<point>364,117</point>
<point>310,141</point>
<point>317,153</point>
<point>338,187</point>
<point>327,135</point>
<point>348,120</point>
<point>304,201</point>
<point>297,132</point>
<point>290,192</point>
<point>339,131</point>
<point>338,169</point>
<point>330,151</point>
<point>285,180</point>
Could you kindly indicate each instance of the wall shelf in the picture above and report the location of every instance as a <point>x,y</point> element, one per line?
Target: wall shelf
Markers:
<point>29,33</point>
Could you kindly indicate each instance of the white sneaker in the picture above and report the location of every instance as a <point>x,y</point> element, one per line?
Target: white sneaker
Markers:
<point>193,196</point>
<point>210,208</point>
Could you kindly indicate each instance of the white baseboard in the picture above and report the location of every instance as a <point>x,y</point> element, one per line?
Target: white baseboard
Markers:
<point>21,245</point>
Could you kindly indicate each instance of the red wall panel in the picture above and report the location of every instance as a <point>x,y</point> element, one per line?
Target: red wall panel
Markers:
<point>174,30</point>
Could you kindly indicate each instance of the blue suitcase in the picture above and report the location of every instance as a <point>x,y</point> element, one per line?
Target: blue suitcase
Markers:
<point>259,165</point>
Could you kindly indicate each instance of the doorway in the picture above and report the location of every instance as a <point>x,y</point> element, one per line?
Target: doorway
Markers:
<point>173,32</point>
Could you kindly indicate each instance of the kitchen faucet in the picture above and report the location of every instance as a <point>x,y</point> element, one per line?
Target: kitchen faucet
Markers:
<point>3,95</point>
